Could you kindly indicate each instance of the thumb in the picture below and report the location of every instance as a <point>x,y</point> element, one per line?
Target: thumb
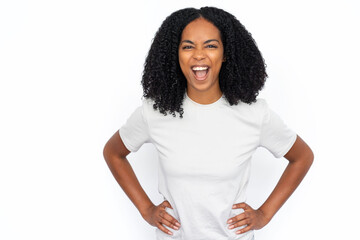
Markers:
<point>167,204</point>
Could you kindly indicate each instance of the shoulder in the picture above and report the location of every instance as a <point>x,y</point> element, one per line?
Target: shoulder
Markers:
<point>251,113</point>
<point>147,104</point>
<point>148,109</point>
<point>258,107</point>
<point>260,103</point>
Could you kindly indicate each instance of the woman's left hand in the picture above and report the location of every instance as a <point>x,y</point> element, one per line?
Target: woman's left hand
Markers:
<point>254,219</point>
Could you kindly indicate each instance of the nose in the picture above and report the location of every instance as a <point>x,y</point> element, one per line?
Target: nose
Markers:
<point>199,54</point>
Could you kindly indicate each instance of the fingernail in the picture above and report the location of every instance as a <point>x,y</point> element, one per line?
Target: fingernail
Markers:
<point>231,226</point>
<point>229,221</point>
<point>177,224</point>
<point>234,206</point>
<point>170,233</point>
<point>177,228</point>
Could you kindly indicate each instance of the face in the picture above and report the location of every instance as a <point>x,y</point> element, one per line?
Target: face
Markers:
<point>200,57</point>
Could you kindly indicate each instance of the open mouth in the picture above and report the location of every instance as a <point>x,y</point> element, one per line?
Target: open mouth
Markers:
<point>200,72</point>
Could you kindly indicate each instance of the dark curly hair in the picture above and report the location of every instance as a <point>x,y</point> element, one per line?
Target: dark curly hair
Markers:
<point>241,76</point>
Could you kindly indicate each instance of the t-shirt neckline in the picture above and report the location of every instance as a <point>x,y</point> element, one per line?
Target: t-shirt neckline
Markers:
<point>210,105</point>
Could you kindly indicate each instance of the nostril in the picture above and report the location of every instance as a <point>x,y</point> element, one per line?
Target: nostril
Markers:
<point>199,57</point>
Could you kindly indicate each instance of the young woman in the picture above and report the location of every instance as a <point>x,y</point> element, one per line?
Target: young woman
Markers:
<point>204,65</point>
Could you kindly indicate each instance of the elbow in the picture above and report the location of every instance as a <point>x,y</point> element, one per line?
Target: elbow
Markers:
<point>312,157</point>
<point>106,152</point>
<point>309,157</point>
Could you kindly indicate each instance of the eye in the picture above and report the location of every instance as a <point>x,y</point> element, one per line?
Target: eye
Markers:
<point>187,47</point>
<point>211,46</point>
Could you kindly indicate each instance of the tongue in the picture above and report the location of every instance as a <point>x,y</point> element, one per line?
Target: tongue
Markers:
<point>200,74</point>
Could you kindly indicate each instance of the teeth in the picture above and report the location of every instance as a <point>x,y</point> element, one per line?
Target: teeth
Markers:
<point>199,68</point>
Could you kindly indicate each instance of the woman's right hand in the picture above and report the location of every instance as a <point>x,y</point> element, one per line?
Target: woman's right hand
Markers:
<point>157,216</point>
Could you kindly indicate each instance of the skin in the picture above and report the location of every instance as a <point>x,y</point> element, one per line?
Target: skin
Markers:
<point>300,158</point>
<point>195,49</point>
<point>201,44</point>
<point>115,154</point>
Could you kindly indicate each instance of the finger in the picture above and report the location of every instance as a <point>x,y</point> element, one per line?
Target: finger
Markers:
<point>241,216</point>
<point>241,205</point>
<point>164,229</point>
<point>237,218</point>
<point>240,223</point>
<point>167,204</point>
<point>244,230</point>
<point>172,222</point>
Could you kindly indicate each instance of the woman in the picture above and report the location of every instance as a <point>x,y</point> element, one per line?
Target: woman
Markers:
<point>205,66</point>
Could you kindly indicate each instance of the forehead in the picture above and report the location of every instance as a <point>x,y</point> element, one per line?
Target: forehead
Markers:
<point>200,29</point>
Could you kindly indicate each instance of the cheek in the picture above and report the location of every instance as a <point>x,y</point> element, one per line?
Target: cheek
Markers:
<point>182,67</point>
<point>217,58</point>
<point>217,61</point>
<point>183,63</point>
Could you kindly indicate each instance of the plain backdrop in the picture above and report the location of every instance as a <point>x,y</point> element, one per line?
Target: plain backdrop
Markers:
<point>70,75</point>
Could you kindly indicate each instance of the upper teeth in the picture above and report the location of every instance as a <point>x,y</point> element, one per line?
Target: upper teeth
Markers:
<point>199,68</point>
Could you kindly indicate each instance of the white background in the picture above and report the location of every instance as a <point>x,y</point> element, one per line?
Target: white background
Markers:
<point>70,76</point>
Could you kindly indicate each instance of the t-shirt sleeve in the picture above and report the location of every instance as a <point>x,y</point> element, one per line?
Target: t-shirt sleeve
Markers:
<point>135,132</point>
<point>275,135</point>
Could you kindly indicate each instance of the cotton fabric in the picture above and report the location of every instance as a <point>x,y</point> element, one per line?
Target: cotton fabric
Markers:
<point>205,159</point>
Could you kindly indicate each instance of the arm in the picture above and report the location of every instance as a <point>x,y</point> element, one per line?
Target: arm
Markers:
<point>300,158</point>
<point>115,154</point>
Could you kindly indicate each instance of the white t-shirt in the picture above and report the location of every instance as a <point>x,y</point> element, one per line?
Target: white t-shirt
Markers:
<point>204,159</point>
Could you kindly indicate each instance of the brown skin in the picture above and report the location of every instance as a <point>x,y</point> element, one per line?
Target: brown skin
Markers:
<point>115,154</point>
<point>201,44</point>
<point>197,49</point>
<point>300,158</point>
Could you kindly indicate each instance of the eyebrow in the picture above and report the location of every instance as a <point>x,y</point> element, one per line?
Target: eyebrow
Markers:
<point>207,41</point>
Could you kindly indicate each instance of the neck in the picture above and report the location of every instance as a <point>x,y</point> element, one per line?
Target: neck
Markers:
<point>204,97</point>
